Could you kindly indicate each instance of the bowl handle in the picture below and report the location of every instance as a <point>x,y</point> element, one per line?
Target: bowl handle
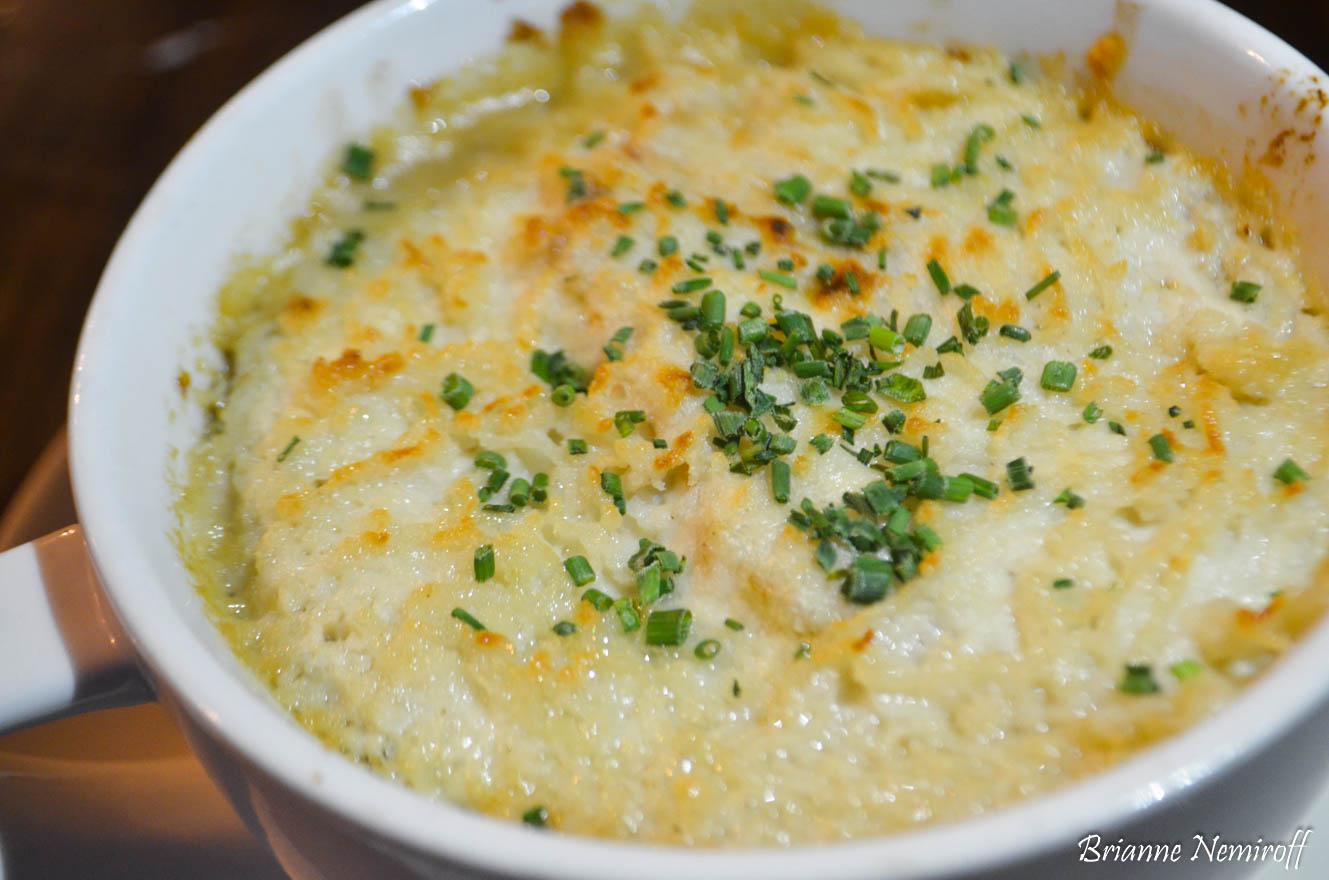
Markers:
<point>61,650</point>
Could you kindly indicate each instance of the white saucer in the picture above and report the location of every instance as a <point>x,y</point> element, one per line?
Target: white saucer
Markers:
<point>114,794</point>
<point>117,794</point>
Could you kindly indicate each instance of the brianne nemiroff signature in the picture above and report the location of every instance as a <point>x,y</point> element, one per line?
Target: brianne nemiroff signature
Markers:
<point>1211,848</point>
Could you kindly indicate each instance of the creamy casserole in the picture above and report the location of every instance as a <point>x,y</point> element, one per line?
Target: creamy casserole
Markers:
<point>743,431</point>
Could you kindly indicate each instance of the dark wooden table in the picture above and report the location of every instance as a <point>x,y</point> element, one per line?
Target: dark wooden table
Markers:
<point>96,97</point>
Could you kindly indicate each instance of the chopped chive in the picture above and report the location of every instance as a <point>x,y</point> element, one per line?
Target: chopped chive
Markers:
<point>886,176</point>
<point>1092,412</point>
<point>997,396</point>
<point>467,618</point>
<point>850,419</point>
<point>735,625</point>
<point>630,207</point>
<point>826,556</point>
<point>519,493</point>
<point>1069,498</point>
<point>859,184</point>
<point>881,259</point>
<point>778,278</point>
<point>691,285</point>
<point>936,371</point>
<point>957,489</point>
<point>1287,473</point>
<point>1063,584</point>
<point>343,250</point>
<point>597,599</point>
<point>981,134</point>
<point>972,327</point>
<point>1015,73</point>
<point>1244,291</point>
<point>1051,279</point>
<point>563,395</point>
<point>675,198</point>
<point>952,344</point>
<point>712,308</point>
<point>1000,211</point>
<point>750,310</point>
<point>804,651</point>
<point>1014,331</point>
<point>667,245</point>
<point>780,481</point>
<point>942,174</point>
<point>577,188</point>
<point>905,389</point>
<point>622,245</point>
<point>793,190</point>
<point>565,628</point>
<point>1020,475</point>
<point>537,816</point>
<point>579,570</point>
<point>1188,424</point>
<point>457,392</point>
<point>426,332</point>
<point>869,580</point>
<point>1185,669</point>
<point>1154,157</point>
<point>965,291</point>
<point>612,485</point>
<point>1058,376</point>
<point>592,140</point>
<point>1116,428</point>
<point>1173,411</point>
<point>1138,680</point>
<point>722,212</point>
<point>752,330</point>
<point>1031,121</point>
<point>1162,449</point>
<point>647,266</point>
<point>831,207</point>
<point>576,446</point>
<point>785,265</point>
<point>660,443</point>
<point>359,162</point>
<point>668,627</point>
<point>939,277</point>
<point>982,488</point>
<point>628,615</point>
<point>822,443</point>
<point>916,329</point>
<point>1102,353</point>
<point>484,562</point>
<point>649,584</point>
<point>706,649</point>
<point>286,450</point>
<point>885,339</point>
<point>626,420</point>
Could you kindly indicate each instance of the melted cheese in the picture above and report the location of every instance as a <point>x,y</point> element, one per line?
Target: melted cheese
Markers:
<point>334,568</point>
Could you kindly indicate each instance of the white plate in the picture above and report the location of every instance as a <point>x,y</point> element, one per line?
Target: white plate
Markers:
<point>114,794</point>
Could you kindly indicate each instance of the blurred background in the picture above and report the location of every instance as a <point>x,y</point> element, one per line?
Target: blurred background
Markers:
<point>95,99</point>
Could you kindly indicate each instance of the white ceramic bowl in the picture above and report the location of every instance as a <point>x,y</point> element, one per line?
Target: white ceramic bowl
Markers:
<point>1217,80</point>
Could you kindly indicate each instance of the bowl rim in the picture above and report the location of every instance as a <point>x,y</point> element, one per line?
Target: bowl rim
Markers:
<point>261,733</point>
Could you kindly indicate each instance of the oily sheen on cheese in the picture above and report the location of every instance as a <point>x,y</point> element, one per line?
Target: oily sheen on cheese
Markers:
<point>332,512</point>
